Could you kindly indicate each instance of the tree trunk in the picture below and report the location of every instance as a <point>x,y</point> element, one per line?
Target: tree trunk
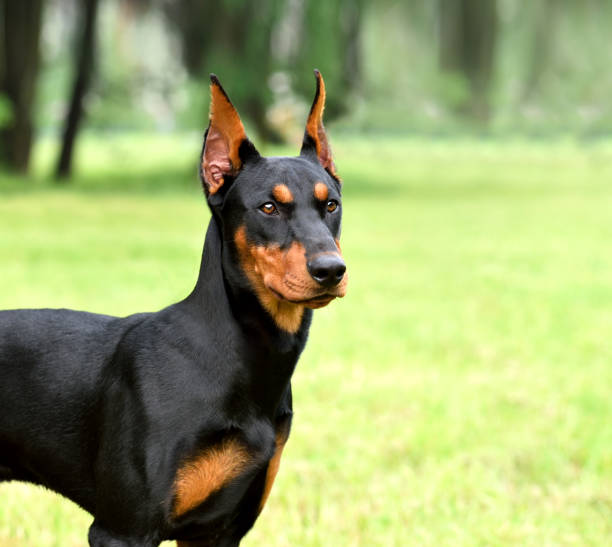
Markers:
<point>468,34</point>
<point>352,18</point>
<point>450,30</point>
<point>544,35</point>
<point>213,32</point>
<point>84,68</point>
<point>20,24</point>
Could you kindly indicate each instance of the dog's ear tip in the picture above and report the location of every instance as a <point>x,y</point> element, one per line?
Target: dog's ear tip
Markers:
<point>216,89</point>
<point>315,136</point>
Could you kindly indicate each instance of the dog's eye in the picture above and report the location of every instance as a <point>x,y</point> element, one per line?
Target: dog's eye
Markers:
<point>269,208</point>
<point>332,205</point>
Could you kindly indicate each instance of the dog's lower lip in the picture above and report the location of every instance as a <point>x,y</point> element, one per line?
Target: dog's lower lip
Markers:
<point>322,299</point>
<point>316,303</point>
<point>315,300</point>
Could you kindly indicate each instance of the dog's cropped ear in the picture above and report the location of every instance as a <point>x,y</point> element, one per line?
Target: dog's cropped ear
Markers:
<point>225,141</point>
<point>315,138</point>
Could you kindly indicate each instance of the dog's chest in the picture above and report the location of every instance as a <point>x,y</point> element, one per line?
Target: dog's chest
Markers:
<point>211,470</point>
<point>229,477</point>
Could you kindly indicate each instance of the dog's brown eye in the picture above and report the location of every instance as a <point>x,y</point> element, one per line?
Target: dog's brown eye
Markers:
<point>332,205</point>
<point>269,208</point>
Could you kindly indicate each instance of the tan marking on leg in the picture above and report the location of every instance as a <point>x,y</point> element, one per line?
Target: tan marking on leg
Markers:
<point>199,478</point>
<point>282,194</point>
<point>273,466</point>
<point>266,267</point>
<point>321,191</point>
<point>281,439</point>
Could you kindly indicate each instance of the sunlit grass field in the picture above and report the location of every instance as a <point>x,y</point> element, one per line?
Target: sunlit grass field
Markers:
<point>461,394</point>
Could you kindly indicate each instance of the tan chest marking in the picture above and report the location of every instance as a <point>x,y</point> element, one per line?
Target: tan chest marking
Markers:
<point>200,477</point>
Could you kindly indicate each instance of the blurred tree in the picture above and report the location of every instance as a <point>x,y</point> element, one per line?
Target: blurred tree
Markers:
<point>467,39</point>
<point>231,38</point>
<point>83,71</point>
<point>544,15</point>
<point>20,23</point>
<point>351,24</point>
<point>331,42</point>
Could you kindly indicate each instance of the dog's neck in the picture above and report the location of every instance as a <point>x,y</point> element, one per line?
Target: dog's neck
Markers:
<point>236,317</point>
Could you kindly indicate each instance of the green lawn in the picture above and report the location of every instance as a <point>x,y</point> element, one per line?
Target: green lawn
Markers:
<point>461,394</point>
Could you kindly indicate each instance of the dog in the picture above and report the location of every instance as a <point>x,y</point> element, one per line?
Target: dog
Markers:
<point>170,425</point>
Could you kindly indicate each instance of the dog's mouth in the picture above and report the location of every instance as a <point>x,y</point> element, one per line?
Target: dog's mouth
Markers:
<point>312,302</point>
<point>317,302</point>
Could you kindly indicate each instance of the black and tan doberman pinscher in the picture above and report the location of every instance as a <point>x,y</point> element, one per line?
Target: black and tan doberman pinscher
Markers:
<point>171,425</point>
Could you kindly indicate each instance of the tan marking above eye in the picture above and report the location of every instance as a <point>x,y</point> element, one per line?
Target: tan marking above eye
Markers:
<point>321,191</point>
<point>282,194</point>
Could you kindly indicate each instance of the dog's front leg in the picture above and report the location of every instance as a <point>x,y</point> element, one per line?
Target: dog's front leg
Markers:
<point>207,544</point>
<point>100,536</point>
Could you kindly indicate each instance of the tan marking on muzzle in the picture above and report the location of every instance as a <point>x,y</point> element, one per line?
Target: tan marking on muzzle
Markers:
<point>281,281</point>
<point>342,286</point>
<point>265,266</point>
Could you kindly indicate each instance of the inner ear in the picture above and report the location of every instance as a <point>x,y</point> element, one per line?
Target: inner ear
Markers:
<point>226,145</point>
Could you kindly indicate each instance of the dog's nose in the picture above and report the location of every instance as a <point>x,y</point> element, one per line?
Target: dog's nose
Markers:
<point>327,269</point>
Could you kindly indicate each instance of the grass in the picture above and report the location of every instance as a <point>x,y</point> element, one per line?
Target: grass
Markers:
<point>459,395</point>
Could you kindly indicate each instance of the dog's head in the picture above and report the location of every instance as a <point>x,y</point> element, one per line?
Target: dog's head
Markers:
<point>280,216</point>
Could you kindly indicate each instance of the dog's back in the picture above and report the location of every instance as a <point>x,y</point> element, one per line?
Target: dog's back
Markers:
<point>51,363</point>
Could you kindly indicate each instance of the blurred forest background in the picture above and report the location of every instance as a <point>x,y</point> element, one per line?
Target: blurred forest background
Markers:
<point>428,67</point>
